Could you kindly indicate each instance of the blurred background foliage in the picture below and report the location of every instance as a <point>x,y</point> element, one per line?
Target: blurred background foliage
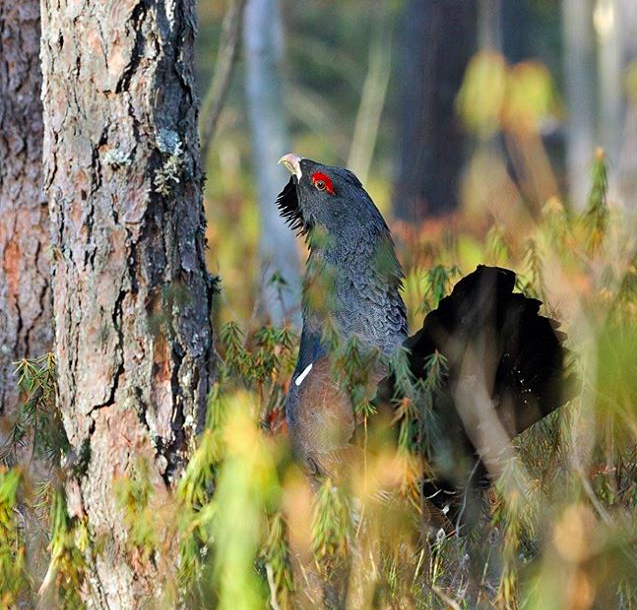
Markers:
<point>487,131</point>
<point>456,113</point>
<point>493,131</point>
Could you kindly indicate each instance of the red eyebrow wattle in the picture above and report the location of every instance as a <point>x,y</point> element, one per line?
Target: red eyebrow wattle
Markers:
<point>329,186</point>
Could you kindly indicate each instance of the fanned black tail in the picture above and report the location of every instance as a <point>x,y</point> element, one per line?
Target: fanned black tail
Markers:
<point>497,347</point>
<point>519,351</point>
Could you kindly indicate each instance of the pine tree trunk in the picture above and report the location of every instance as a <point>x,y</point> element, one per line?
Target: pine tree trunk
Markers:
<point>25,308</point>
<point>132,297</point>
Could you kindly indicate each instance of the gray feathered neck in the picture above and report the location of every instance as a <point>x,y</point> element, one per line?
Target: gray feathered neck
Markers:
<point>353,278</point>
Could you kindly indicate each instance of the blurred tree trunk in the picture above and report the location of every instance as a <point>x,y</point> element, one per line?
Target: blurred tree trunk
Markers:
<point>515,30</point>
<point>132,297</point>
<point>626,165</point>
<point>490,25</point>
<point>579,68</point>
<point>610,68</point>
<point>505,27</point>
<point>439,38</point>
<point>263,42</point>
<point>25,308</point>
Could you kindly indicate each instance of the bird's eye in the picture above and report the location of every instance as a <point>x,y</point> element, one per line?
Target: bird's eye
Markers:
<point>323,182</point>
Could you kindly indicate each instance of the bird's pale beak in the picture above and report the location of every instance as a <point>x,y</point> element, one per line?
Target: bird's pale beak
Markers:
<point>293,163</point>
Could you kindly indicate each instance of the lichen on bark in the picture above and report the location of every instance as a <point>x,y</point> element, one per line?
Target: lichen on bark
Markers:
<point>132,297</point>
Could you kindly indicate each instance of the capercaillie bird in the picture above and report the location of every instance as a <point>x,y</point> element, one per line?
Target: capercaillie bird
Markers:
<point>504,362</point>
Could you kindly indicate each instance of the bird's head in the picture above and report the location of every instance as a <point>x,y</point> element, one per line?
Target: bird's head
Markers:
<point>327,197</point>
<point>352,276</point>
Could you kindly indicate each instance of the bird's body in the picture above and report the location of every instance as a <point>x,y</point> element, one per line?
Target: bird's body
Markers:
<point>505,362</point>
<point>351,288</point>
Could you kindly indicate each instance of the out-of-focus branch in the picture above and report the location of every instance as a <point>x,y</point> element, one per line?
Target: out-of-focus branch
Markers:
<point>224,67</point>
<point>372,98</point>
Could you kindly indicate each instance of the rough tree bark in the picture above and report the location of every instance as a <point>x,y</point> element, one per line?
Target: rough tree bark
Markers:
<point>263,42</point>
<point>25,309</point>
<point>439,38</point>
<point>132,297</point>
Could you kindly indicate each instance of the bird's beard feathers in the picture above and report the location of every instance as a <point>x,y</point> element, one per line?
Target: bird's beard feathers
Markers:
<point>288,204</point>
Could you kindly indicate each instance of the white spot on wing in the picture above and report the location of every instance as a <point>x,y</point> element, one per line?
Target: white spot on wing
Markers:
<point>299,380</point>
